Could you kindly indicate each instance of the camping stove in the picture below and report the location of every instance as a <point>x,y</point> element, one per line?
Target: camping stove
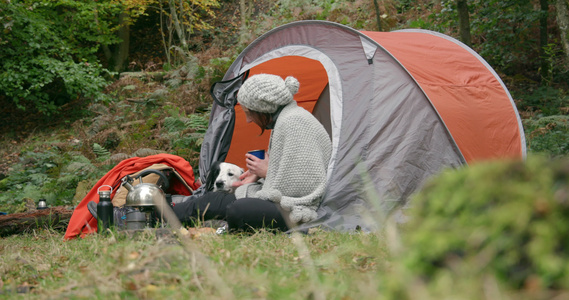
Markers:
<point>141,201</point>
<point>147,216</point>
<point>139,217</point>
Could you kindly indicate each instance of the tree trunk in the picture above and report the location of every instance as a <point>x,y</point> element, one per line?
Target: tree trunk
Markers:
<point>243,36</point>
<point>120,55</point>
<point>178,25</point>
<point>163,35</point>
<point>561,7</point>
<point>106,50</point>
<point>377,15</point>
<point>117,59</point>
<point>463,21</point>
<point>544,4</point>
<point>55,218</point>
<point>243,12</point>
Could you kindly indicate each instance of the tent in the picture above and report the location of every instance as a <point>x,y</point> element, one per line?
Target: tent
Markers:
<point>399,107</point>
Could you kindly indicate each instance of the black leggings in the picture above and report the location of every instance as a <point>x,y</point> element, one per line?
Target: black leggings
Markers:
<point>241,215</point>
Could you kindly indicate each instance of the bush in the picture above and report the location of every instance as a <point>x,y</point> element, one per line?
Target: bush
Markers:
<point>544,100</point>
<point>504,220</point>
<point>49,174</point>
<point>44,63</point>
<point>549,135</point>
<point>186,134</point>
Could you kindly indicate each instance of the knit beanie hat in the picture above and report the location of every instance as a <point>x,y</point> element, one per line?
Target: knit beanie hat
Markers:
<point>266,93</point>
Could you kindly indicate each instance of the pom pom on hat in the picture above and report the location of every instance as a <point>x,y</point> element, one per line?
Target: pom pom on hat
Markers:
<point>266,93</point>
<point>292,84</point>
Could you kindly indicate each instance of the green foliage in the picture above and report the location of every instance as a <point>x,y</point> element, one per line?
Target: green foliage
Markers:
<point>506,220</point>
<point>102,153</point>
<point>186,133</point>
<point>557,71</point>
<point>501,22</point>
<point>548,135</point>
<point>48,53</point>
<point>441,20</point>
<point>186,17</point>
<point>49,174</point>
<point>351,13</point>
<point>545,100</point>
<point>218,66</point>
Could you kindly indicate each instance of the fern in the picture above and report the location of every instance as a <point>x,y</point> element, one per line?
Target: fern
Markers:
<point>197,122</point>
<point>51,174</point>
<point>76,167</point>
<point>101,153</point>
<point>68,180</point>
<point>186,133</point>
<point>173,124</point>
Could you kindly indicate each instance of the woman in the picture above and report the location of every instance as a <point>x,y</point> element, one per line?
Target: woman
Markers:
<point>284,189</point>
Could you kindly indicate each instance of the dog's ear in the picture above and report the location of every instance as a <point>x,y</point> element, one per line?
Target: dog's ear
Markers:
<point>212,176</point>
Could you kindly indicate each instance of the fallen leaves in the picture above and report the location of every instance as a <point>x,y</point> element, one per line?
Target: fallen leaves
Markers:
<point>196,232</point>
<point>133,255</point>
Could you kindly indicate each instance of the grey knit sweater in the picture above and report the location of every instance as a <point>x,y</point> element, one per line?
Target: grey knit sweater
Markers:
<point>299,152</point>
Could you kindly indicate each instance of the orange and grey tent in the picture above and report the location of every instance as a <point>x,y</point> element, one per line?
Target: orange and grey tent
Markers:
<point>399,107</point>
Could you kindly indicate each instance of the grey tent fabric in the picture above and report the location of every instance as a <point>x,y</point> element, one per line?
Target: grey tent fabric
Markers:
<point>218,135</point>
<point>397,145</point>
<point>387,136</point>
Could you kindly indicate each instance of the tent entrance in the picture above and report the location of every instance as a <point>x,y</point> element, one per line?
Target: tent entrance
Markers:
<point>313,95</point>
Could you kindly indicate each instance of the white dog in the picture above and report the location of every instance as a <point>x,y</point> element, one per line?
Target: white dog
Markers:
<point>221,177</point>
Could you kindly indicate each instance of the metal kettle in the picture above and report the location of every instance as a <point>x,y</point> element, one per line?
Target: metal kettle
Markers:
<point>145,194</point>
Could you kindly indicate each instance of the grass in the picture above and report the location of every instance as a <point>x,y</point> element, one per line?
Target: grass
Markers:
<point>322,265</point>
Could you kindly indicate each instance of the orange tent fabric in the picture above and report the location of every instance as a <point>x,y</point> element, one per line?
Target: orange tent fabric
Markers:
<point>82,222</point>
<point>451,77</point>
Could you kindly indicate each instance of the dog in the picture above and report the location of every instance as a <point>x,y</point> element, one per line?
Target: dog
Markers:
<point>221,177</point>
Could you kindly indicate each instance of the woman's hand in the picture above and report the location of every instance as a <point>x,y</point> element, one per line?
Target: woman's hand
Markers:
<point>245,178</point>
<point>257,169</point>
<point>256,165</point>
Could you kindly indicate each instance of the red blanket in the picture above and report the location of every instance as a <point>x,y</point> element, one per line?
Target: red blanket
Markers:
<point>82,222</point>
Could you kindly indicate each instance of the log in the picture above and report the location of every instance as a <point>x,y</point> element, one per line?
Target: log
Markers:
<point>54,217</point>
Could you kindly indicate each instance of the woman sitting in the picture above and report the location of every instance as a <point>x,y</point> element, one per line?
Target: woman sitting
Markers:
<point>284,189</point>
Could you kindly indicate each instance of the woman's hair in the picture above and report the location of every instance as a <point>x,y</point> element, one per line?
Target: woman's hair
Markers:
<point>262,119</point>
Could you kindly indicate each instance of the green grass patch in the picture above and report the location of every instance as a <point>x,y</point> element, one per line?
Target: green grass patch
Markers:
<point>262,265</point>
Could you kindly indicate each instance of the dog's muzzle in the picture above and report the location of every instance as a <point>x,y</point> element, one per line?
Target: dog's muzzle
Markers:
<point>220,184</point>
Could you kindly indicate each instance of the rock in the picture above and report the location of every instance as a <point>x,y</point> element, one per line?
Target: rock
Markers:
<point>174,82</point>
<point>30,204</point>
<point>159,94</point>
<point>143,152</point>
<point>81,191</point>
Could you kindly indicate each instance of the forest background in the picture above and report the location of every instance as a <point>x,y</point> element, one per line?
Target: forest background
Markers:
<point>86,84</point>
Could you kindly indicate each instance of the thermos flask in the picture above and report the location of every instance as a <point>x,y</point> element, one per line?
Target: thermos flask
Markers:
<point>104,209</point>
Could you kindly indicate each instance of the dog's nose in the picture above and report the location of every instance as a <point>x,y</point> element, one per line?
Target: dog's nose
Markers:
<point>219,184</point>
